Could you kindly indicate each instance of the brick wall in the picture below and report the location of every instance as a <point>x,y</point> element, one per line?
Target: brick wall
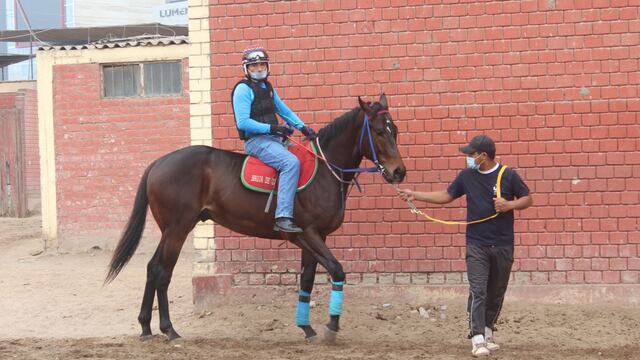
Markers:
<point>28,103</point>
<point>8,100</point>
<point>94,138</point>
<point>555,83</point>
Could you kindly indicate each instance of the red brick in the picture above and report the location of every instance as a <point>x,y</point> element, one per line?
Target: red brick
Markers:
<point>563,264</point>
<point>392,266</point>
<point>546,265</point>
<point>528,265</point>
<point>575,277</point>
<point>557,277</point>
<point>611,277</point>
<point>384,254</point>
<point>593,277</point>
<point>582,264</point>
<point>442,266</point>
<point>630,277</point>
<point>618,264</point>
<point>600,264</point>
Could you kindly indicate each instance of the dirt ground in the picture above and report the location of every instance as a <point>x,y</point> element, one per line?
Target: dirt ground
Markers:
<point>54,306</point>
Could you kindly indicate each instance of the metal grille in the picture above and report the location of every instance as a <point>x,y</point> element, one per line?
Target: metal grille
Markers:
<point>159,79</point>
<point>121,80</point>
<point>162,78</point>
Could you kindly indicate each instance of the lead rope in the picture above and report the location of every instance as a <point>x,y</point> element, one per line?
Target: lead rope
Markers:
<point>417,211</point>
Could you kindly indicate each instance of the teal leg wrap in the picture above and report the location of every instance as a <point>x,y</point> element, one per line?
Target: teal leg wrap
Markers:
<point>302,311</point>
<point>335,300</point>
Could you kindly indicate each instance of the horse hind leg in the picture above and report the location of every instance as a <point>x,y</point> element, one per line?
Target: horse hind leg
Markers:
<point>168,253</point>
<point>147,299</point>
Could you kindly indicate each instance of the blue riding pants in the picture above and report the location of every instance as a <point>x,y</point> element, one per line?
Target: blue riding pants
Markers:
<point>270,150</point>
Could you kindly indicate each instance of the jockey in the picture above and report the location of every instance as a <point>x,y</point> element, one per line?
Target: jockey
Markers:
<point>255,105</point>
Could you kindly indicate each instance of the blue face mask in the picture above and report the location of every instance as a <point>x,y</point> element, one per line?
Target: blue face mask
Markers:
<point>471,163</point>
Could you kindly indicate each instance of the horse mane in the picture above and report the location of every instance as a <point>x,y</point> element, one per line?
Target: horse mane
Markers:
<point>339,124</point>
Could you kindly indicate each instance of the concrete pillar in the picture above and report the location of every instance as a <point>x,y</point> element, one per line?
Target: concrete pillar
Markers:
<point>200,110</point>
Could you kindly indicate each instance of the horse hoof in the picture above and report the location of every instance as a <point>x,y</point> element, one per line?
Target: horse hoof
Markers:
<point>315,339</point>
<point>330,336</point>
<point>177,342</point>
<point>145,338</point>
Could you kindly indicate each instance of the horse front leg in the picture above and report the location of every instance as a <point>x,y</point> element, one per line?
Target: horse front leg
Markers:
<point>335,310</point>
<point>314,243</point>
<point>307,279</point>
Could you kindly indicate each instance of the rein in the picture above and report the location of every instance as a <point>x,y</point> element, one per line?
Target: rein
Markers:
<point>334,168</point>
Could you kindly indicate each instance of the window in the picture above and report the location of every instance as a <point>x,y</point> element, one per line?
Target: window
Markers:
<point>121,80</point>
<point>162,78</point>
<point>157,79</point>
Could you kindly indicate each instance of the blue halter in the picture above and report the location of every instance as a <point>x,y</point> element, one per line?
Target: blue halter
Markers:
<point>378,167</point>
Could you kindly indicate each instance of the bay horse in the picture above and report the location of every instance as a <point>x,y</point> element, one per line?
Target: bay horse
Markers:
<point>198,183</point>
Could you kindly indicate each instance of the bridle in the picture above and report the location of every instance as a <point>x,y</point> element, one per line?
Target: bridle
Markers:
<point>334,169</point>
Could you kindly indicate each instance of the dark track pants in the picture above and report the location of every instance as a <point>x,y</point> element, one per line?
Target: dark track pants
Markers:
<point>488,270</point>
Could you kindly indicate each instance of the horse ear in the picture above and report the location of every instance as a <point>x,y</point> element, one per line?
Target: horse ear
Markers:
<point>364,105</point>
<point>383,101</point>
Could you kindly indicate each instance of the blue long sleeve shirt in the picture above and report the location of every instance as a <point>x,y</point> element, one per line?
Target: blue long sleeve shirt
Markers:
<point>242,100</point>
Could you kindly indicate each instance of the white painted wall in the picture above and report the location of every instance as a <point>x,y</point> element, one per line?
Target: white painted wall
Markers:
<point>114,12</point>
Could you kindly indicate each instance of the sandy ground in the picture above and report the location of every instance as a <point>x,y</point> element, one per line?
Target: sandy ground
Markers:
<point>54,306</point>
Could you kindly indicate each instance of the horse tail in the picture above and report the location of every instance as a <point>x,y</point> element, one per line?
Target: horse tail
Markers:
<point>133,231</point>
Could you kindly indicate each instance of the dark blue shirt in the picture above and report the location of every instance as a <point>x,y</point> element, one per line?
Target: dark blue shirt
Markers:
<point>480,190</point>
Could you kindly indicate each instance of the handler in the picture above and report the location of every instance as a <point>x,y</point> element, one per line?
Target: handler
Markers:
<point>490,243</point>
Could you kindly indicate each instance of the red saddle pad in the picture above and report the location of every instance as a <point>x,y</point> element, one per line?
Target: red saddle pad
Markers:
<point>258,176</point>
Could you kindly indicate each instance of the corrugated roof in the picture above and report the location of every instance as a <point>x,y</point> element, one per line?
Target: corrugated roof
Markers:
<point>88,35</point>
<point>122,43</point>
<point>8,59</point>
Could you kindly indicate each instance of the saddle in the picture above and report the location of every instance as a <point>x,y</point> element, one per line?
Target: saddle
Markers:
<point>260,177</point>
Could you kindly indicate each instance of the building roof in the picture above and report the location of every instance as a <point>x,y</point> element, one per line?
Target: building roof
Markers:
<point>8,59</point>
<point>121,43</point>
<point>88,35</point>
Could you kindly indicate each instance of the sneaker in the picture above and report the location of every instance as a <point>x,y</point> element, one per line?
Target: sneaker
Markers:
<point>491,345</point>
<point>480,350</point>
<point>286,225</point>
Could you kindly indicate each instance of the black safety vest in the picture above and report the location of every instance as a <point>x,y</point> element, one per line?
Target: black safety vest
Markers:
<point>263,107</point>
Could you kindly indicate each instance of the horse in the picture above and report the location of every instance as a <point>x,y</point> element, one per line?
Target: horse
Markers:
<point>198,183</point>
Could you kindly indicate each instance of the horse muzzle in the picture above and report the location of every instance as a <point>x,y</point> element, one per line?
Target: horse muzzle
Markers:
<point>395,176</point>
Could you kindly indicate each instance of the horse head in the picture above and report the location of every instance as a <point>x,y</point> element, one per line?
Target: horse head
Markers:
<point>378,140</point>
